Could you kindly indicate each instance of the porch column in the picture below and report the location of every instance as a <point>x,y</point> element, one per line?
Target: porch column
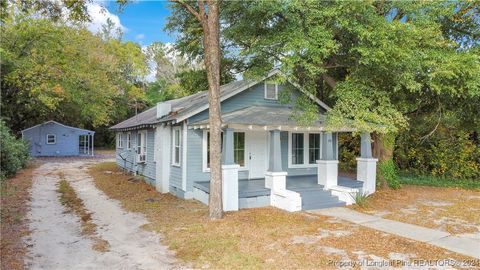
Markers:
<point>327,169</point>
<point>275,177</point>
<point>229,173</point>
<point>366,164</point>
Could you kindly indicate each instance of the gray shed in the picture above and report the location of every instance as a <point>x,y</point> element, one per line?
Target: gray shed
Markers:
<point>55,139</point>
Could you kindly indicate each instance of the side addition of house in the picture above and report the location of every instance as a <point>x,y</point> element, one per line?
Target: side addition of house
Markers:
<point>268,159</point>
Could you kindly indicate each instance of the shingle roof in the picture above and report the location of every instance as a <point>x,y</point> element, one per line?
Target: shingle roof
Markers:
<point>262,116</point>
<point>180,107</point>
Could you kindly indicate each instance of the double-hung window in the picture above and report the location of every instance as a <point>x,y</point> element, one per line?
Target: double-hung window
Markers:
<point>119,140</point>
<point>238,148</point>
<point>51,139</point>
<point>177,138</point>
<point>142,146</point>
<point>297,148</point>
<point>313,148</point>
<point>129,141</point>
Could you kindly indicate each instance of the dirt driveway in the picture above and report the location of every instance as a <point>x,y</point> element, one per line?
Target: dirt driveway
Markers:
<point>56,241</point>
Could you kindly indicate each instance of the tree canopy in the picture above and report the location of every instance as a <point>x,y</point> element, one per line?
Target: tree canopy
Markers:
<point>52,70</point>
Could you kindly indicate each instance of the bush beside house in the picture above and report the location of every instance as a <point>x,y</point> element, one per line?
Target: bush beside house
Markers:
<point>14,152</point>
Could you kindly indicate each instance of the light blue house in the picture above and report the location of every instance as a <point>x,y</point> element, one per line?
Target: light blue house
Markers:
<point>51,139</point>
<point>268,158</point>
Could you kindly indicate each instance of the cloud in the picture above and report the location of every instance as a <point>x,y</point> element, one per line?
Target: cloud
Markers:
<point>99,16</point>
<point>140,36</point>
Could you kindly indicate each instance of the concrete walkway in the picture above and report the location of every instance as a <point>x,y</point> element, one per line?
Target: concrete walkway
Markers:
<point>463,245</point>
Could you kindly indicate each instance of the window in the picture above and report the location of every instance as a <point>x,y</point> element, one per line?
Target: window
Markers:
<point>238,148</point>
<point>129,141</point>
<point>297,148</point>
<point>142,146</point>
<point>271,90</point>
<point>313,148</point>
<point>120,140</point>
<point>51,139</point>
<point>176,146</point>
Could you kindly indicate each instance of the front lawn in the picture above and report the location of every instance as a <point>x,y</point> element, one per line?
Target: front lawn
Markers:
<point>454,210</point>
<point>255,238</point>
<point>15,194</point>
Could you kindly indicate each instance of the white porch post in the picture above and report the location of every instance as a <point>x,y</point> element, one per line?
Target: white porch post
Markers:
<point>276,179</point>
<point>229,173</point>
<point>327,169</point>
<point>367,165</point>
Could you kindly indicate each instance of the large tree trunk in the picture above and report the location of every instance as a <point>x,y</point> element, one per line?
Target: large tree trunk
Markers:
<point>211,44</point>
<point>382,149</point>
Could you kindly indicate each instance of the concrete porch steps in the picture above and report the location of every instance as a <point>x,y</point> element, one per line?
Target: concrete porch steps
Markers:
<point>318,199</point>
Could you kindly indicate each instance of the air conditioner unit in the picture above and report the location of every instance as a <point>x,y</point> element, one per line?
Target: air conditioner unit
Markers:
<point>142,158</point>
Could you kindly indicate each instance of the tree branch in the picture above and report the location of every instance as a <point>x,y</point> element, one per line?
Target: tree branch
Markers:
<point>189,8</point>
<point>329,80</point>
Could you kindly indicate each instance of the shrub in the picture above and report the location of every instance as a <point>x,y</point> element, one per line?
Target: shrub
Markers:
<point>361,199</point>
<point>388,171</point>
<point>447,154</point>
<point>14,152</point>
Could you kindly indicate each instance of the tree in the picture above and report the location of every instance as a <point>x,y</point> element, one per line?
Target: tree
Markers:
<point>375,62</point>
<point>207,14</point>
<point>51,70</point>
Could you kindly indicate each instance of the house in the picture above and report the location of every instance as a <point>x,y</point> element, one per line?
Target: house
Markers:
<point>51,139</point>
<point>268,159</point>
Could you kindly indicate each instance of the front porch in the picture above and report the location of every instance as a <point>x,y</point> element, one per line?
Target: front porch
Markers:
<point>253,193</point>
<point>288,166</point>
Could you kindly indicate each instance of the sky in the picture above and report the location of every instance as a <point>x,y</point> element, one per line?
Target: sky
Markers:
<point>141,21</point>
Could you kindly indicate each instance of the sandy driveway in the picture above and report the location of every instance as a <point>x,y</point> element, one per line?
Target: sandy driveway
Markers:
<point>56,241</point>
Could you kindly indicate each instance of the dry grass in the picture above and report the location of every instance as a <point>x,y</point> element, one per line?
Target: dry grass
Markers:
<point>75,205</point>
<point>257,238</point>
<point>15,194</point>
<point>449,209</point>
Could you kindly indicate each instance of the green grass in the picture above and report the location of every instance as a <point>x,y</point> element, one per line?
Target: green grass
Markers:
<point>427,180</point>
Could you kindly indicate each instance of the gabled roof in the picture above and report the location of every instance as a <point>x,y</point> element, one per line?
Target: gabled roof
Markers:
<point>55,122</point>
<point>185,107</point>
<point>262,116</point>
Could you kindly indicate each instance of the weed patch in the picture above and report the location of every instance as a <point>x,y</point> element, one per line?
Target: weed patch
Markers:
<point>75,205</point>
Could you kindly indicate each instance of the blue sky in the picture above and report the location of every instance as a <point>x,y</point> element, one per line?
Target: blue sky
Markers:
<point>143,21</point>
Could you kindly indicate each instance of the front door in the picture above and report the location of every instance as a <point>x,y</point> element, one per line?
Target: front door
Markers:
<point>257,153</point>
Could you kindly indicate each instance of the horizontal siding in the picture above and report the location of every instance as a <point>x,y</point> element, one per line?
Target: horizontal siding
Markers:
<point>253,96</point>
<point>176,171</point>
<point>67,140</point>
<point>147,169</point>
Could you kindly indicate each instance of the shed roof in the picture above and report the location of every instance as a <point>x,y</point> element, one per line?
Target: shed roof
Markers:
<point>55,122</point>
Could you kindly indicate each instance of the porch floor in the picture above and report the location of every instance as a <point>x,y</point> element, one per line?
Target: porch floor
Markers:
<point>256,187</point>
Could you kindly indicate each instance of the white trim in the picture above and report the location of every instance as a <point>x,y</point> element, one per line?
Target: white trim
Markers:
<point>265,83</point>
<point>51,121</point>
<point>205,167</point>
<point>183,148</point>
<point>306,146</point>
<point>120,140</point>
<point>128,139</point>
<point>175,129</point>
<point>54,138</point>
<point>245,87</point>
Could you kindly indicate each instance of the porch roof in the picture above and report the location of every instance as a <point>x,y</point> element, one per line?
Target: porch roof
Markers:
<point>264,118</point>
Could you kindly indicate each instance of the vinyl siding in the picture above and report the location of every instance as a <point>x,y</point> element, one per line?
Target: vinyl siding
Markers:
<point>250,97</point>
<point>146,169</point>
<point>67,140</point>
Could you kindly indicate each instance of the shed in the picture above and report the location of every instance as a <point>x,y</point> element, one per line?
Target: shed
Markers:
<point>55,139</point>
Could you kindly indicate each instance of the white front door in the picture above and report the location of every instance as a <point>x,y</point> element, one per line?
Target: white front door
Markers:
<point>256,153</point>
